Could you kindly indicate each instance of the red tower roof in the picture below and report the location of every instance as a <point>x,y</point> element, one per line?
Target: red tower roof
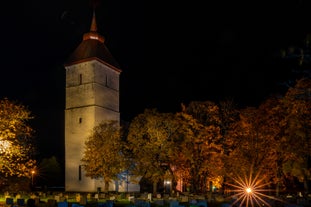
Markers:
<point>92,47</point>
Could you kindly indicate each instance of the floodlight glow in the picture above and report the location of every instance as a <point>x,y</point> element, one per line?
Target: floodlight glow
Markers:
<point>250,191</point>
<point>4,146</point>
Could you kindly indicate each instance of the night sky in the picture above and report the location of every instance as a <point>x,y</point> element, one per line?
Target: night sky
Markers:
<point>170,52</point>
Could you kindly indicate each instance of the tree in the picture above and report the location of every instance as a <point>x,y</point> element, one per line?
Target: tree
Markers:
<point>228,115</point>
<point>254,145</point>
<point>150,141</point>
<point>297,123</point>
<point>16,140</point>
<point>103,157</point>
<point>49,172</point>
<point>199,145</point>
<point>186,147</point>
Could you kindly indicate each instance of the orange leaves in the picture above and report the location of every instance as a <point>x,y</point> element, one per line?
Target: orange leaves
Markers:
<point>103,155</point>
<point>16,141</point>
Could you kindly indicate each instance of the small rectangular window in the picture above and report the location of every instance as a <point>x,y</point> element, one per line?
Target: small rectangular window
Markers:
<point>80,120</point>
<point>80,79</point>
<point>80,173</point>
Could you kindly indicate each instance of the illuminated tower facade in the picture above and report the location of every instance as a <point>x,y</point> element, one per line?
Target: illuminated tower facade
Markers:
<point>92,95</point>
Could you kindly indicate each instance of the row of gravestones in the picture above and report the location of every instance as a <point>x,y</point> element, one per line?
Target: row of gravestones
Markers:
<point>32,201</point>
<point>57,197</point>
<point>20,202</point>
<point>83,198</point>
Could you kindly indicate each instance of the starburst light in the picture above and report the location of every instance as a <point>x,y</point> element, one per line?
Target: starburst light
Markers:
<point>250,191</point>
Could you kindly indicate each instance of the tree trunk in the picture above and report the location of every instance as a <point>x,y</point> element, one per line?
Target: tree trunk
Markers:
<point>277,190</point>
<point>305,185</point>
<point>210,194</point>
<point>279,175</point>
<point>155,184</point>
<point>106,186</point>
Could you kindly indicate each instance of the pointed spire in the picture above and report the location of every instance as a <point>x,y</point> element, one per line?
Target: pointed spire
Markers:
<point>93,25</point>
<point>93,31</point>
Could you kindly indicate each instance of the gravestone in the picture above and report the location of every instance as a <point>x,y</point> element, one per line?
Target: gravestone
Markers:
<point>78,197</point>
<point>96,196</point>
<point>57,198</point>
<point>149,196</point>
<point>83,200</point>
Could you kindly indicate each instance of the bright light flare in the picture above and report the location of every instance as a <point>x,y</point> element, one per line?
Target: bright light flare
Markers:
<point>4,146</point>
<point>250,191</point>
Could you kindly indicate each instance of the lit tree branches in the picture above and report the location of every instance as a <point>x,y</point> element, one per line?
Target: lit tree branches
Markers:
<point>16,141</point>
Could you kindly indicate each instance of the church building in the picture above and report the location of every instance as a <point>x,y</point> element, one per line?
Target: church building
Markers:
<point>92,95</point>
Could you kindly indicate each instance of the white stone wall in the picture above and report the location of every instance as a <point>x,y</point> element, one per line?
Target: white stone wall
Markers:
<point>92,95</point>
<point>78,125</point>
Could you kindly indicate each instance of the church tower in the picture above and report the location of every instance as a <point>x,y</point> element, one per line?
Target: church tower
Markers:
<point>92,95</point>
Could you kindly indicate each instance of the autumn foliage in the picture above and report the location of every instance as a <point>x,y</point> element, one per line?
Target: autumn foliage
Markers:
<point>16,140</point>
<point>209,142</point>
